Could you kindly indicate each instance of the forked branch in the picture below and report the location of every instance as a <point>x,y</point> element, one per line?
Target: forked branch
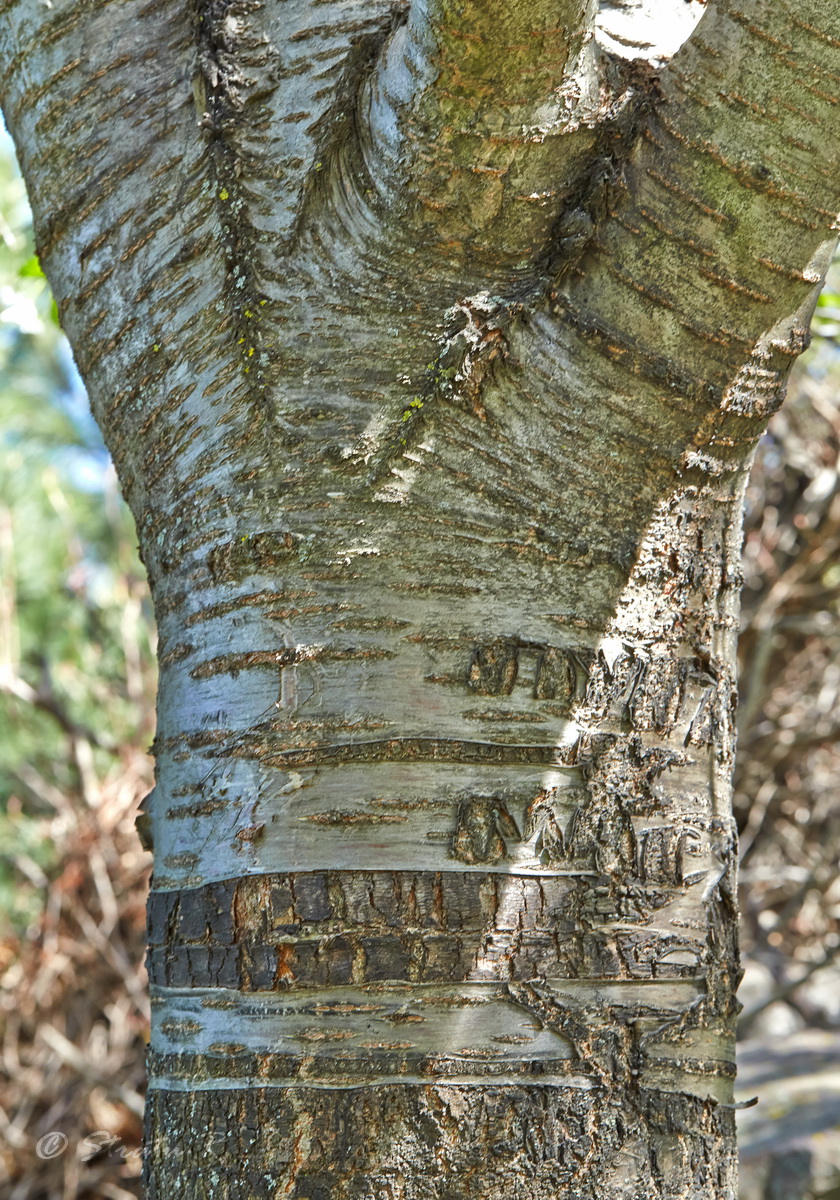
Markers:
<point>479,119</point>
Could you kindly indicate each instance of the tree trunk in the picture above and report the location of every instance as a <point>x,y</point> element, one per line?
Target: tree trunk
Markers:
<point>431,346</point>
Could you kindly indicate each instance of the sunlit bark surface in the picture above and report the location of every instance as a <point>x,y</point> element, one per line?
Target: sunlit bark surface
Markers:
<point>431,345</point>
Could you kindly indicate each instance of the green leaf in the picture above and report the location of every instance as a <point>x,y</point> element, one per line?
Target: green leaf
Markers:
<point>31,269</point>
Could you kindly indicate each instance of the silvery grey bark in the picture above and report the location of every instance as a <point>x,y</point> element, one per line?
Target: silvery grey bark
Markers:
<point>431,344</point>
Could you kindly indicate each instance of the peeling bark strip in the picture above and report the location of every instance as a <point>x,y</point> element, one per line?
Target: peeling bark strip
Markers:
<point>431,345</point>
<point>558,1034</point>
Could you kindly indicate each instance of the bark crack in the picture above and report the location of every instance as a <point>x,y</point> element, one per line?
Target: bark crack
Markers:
<point>217,93</point>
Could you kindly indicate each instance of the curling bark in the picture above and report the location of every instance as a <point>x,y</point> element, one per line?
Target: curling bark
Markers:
<point>431,346</point>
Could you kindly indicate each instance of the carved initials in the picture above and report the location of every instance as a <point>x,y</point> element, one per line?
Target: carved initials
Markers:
<point>556,677</point>
<point>482,826</point>
<point>493,669</point>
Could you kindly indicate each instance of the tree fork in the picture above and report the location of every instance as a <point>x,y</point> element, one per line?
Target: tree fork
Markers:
<point>480,158</point>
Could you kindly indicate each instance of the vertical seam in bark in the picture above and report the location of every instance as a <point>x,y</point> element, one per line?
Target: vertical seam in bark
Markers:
<point>215,89</point>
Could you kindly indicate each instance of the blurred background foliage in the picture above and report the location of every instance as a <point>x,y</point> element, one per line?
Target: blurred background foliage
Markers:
<point>787,780</point>
<point>75,621</point>
<point>77,683</point>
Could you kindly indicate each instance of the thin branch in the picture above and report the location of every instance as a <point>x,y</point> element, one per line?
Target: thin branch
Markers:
<point>785,990</point>
<point>45,699</point>
<point>73,1057</point>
